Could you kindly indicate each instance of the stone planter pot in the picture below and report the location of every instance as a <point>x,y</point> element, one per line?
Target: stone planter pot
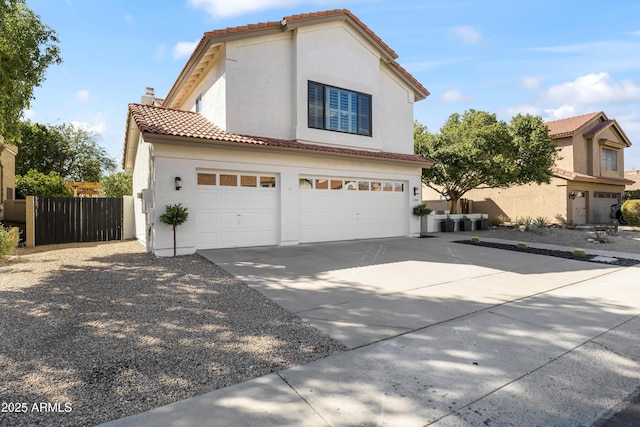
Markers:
<point>482,224</point>
<point>465,225</point>
<point>447,226</point>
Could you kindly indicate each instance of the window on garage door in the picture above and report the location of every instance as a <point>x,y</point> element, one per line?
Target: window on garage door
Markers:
<point>226,179</point>
<point>325,183</point>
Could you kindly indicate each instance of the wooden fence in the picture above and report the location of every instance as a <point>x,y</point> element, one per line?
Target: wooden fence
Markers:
<point>69,220</point>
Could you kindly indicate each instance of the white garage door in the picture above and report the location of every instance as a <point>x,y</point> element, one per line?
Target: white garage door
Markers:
<point>602,206</point>
<point>236,209</point>
<point>343,209</point>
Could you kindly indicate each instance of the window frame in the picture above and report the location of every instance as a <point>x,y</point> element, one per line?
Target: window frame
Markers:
<point>317,109</point>
<point>610,160</point>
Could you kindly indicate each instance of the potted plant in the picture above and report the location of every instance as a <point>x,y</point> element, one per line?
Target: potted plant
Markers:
<point>448,225</point>
<point>465,223</point>
<point>422,211</point>
<point>174,215</point>
<point>482,223</point>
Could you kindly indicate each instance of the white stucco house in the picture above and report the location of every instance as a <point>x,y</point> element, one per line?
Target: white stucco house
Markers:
<point>279,133</point>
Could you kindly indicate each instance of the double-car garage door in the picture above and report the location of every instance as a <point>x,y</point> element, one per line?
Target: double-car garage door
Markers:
<point>238,209</point>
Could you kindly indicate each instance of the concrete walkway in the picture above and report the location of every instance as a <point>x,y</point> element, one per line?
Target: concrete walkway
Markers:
<point>439,334</point>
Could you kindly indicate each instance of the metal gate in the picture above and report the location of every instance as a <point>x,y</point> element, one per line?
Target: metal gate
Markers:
<point>78,219</point>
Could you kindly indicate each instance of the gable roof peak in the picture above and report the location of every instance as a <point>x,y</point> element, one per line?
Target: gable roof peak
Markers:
<point>569,125</point>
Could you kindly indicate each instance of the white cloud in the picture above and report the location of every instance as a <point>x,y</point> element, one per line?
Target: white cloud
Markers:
<point>83,96</point>
<point>594,89</point>
<point>227,8</point>
<point>453,95</point>
<point>467,34</point>
<point>183,49</point>
<point>531,82</point>
<point>28,114</point>
<point>560,112</point>
<point>97,125</point>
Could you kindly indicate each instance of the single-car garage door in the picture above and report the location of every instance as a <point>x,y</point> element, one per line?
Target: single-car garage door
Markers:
<point>602,206</point>
<point>343,209</point>
<point>236,209</point>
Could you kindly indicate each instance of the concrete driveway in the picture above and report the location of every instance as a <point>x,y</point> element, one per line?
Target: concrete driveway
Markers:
<point>440,334</point>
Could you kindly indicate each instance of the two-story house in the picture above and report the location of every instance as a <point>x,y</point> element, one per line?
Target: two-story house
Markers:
<point>587,179</point>
<point>279,133</point>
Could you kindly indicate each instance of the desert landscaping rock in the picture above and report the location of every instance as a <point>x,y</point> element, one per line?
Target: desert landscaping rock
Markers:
<point>97,332</point>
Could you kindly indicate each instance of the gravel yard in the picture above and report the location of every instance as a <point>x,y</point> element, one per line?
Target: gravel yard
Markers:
<point>626,240</point>
<point>96,332</point>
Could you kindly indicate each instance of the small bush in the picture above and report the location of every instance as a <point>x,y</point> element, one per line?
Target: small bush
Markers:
<point>528,223</point>
<point>579,252</point>
<point>421,210</point>
<point>521,245</point>
<point>475,240</point>
<point>541,222</point>
<point>494,221</point>
<point>631,212</point>
<point>562,221</point>
<point>9,239</point>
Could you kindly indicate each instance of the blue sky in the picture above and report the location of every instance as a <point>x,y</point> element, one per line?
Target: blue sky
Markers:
<point>553,58</point>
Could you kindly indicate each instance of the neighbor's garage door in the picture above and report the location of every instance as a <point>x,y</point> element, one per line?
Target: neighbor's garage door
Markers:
<point>236,209</point>
<point>343,209</point>
<point>602,206</point>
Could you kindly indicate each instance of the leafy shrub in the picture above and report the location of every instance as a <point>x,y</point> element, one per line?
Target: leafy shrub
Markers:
<point>494,221</point>
<point>421,210</point>
<point>541,222</point>
<point>9,239</point>
<point>174,215</point>
<point>631,212</point>
<point>521,245</point>
<point>35,183</point>
<point>579,252</point>
<point>475,240</point>
<point>117,184</point>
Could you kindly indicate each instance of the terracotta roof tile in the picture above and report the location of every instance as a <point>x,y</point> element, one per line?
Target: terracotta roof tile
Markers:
<point>566,127</point>
<point>575,176</point>
<point>178,123</point>
<point>597,128</point>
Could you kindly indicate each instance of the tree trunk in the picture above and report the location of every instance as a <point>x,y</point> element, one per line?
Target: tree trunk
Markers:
<point>454,204</point>
<point>174,241</point>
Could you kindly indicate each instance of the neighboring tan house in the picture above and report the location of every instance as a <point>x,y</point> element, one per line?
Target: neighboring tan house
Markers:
<point>587,180</point>
<point>7,171</point>
<point>279,133</point>
<point>633,176</point>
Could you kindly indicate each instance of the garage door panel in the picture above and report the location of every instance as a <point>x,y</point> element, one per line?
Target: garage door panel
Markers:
<point>229,216</point>
<point>327,214</point>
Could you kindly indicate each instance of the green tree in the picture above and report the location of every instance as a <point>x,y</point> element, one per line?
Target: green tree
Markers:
<point>35,183</point>
<point>66,149</point>
<point>475,149</point>
<point>174,215</point>
<point>27,48</point>
<point>117,184</point>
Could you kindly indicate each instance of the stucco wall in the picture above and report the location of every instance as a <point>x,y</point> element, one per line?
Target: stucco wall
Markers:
<point>523,200</point>
<point>7,170</point>
<point>142,180</point>
<point>184,161</point>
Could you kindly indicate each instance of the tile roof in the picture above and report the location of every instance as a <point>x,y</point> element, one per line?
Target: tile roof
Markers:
<point>635,177</point>
<point>597,128</point>
<point>178,123</point>
<point>566,127</point>
<point>575,176</point>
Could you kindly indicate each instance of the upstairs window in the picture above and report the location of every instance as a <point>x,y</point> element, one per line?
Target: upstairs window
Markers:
<point>609,159</point>
<point>339,110</point>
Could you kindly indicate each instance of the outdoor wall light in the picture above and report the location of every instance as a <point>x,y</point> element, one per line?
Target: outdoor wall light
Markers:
<point>572,195</point>
<point>416,191</point>
<point>178,183</point>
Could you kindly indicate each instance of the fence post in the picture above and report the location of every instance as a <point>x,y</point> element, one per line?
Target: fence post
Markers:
<point>30,226</point>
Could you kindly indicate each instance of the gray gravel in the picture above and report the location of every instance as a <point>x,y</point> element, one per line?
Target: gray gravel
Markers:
<point>96,332</point>
<point>626,240</point>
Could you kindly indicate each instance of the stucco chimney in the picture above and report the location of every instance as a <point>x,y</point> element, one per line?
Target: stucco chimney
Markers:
<point>148,96</point>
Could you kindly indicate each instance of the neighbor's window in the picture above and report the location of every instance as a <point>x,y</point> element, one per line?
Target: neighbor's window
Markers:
<point>340,110</point>
<point>609,159</point>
